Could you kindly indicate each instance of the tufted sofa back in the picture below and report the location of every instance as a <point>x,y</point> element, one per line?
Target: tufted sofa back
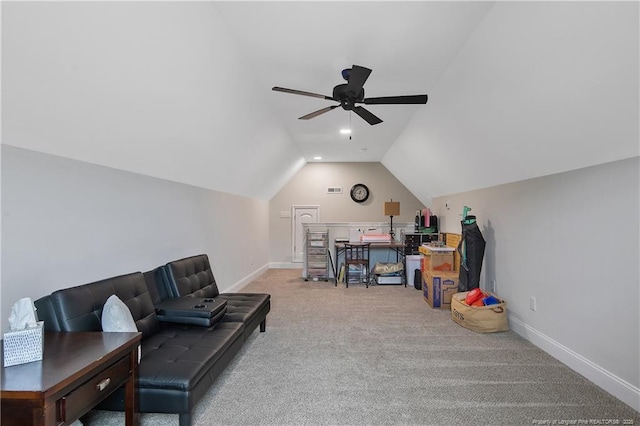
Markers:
<point>80,308</point>
<point>191,276</point>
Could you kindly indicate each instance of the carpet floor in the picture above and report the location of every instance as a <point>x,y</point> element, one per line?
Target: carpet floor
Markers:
<point>381,356</point>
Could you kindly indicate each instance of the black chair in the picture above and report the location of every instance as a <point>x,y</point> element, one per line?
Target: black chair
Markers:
<point>357,255</point>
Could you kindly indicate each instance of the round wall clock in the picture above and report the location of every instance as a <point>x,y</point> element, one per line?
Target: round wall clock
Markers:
<point>359,193</point>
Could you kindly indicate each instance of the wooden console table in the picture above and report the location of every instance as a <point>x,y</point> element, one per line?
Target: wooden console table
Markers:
<point>78,371</point>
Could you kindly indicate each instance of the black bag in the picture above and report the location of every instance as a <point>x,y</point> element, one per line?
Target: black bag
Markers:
<point>472,255</point>
<point>417,279</point>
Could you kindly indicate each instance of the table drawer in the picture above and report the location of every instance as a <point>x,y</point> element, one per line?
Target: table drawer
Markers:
<point>92,392</point>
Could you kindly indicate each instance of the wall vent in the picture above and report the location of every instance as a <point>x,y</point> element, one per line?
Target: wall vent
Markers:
<point>334,190</point>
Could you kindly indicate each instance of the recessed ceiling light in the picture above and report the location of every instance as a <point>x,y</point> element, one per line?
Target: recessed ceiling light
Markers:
<point>317,157</point>
<point>345,131</point>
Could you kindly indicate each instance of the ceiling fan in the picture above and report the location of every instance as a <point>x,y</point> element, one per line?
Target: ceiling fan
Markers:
<point>351,93</point>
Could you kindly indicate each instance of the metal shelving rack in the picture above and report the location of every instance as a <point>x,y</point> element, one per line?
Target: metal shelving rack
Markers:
<point>317,255</point>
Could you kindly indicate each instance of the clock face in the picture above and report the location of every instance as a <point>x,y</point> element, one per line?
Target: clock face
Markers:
<point>359,193</point>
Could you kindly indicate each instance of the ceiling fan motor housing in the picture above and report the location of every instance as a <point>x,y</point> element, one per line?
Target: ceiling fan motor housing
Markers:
<point>347,99</point>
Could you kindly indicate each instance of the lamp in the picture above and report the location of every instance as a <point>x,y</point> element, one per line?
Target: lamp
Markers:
<point>391,208</point>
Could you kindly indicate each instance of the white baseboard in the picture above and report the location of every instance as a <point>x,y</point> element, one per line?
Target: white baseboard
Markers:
<point>246,280</point>
<point>621,389</point>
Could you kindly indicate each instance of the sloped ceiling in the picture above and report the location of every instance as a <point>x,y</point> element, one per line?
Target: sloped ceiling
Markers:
<point>182,90</point>
<point>540,88</point>
<point>305,46</point>
<point>154,88</point>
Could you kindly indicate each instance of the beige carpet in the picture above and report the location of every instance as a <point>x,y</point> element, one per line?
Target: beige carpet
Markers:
<point>382,356</point>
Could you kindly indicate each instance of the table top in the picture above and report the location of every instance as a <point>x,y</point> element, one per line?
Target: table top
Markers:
<point>442,249</point>
<point>381,244</point>
<point>66,357</point>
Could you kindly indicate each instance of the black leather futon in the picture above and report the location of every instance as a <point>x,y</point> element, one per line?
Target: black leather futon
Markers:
<point>180,360</point>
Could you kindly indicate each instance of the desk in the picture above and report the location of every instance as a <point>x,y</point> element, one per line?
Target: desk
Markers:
<point>78,371</point>
<point>397,247</point>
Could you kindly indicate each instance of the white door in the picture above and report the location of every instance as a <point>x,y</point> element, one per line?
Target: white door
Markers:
<point>301,214</point>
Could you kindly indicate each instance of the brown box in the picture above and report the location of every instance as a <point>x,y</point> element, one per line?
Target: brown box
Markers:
<point>439,287</point>
<point>452,240</point>
<point>436,261</point>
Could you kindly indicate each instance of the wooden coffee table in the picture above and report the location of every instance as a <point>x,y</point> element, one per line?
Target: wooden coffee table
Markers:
<point>77,372</point>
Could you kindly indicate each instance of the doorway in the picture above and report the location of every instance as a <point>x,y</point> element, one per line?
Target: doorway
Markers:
<point>301,215</point>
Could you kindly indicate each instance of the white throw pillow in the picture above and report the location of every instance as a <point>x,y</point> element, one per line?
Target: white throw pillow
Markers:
<point>117,317</point>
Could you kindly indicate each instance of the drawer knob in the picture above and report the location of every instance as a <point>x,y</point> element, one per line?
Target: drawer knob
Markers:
<point>103,384</point>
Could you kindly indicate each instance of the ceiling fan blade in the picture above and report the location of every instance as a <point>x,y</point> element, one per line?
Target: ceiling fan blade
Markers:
<point>367,115</point>
<point>318,112</point>
<point>395,100</point>
<point>357,77</point>
<point>300,92</point>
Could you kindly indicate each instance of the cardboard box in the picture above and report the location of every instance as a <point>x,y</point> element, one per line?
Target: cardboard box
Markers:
<point>439,287</point>
<point>436,261</point>
<point>452,240</point>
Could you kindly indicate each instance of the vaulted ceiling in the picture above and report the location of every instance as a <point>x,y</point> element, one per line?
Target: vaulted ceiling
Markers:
<point>182,90</point>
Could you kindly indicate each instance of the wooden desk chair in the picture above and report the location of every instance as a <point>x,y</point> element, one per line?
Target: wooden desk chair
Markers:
<point>357,255</point>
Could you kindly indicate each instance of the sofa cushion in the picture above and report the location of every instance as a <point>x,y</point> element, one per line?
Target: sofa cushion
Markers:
<point>191,276</point>
<point>80,308</point>
<point>156,285</point>
<point>243,306</point>
<point>178,356</point>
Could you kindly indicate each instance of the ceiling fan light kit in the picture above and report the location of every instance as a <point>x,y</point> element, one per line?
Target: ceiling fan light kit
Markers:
<point>351,93</point>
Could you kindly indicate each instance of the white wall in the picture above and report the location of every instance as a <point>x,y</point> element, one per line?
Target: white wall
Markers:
<point>66,223</point>
<point>309,187</point>
<point>570,240</point>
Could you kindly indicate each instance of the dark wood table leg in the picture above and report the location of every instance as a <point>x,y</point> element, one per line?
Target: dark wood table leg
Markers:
<point>132,411</point>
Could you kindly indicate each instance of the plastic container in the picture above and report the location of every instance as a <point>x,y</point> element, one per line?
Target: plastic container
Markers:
<point>413,262</point>
<point>491,300</point>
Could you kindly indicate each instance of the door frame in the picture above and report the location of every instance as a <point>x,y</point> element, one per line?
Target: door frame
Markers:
<point>293,227</point>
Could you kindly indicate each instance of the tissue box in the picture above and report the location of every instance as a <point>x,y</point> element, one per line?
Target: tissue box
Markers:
<point>23,346</point>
